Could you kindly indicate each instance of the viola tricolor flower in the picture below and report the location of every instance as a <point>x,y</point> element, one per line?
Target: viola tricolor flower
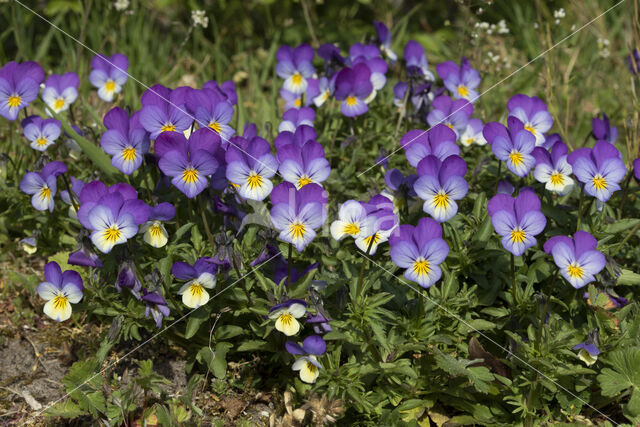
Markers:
<point>600,169</point>
<point>513,145</point>
<point>60,91</point>
<point>60,290</point>
<point>211,111</point>
<point>439,141</point>
<point>156,306</point>
<point>109,74</point>
<point>125,140</point>
<point>164,109</point>
<point>153,230</point>
<point>302,165</point>
<point>291,100</point>
<point>293,118</point>
<point>302,134</point>
<point>286,315</point>
<point>250,165</point>
<point>295,67</point>
<point>473,133</point>
<point>517,220</point>
<point>318,91</point>
<point>353,86</point>
<point>76,187</point>
<point>440,184</point>
<point>589,350</point>
<point>420,250</point>
<point>29,245</point>
<point>453,114</point>
<point>601,129</point>
<point>19,86</point>
<point>370,56</point>
<point>188,163</point>
<point>227,90</point>
<point>127,278</point>
<point>399,92</point>
<point>552,169</point>
<point>384,40</point>
<point>201,276</point>
<point>461,81</point>
<point>416,60</point>
<point>399,188</point>
<point>297,213</point>
<point>533,113</point>
<point>380,222</point>
<point>577,258</point>
<point>351,220</point>
<point>42,185</point>
<point>308,364</point>
<point>41,133</point>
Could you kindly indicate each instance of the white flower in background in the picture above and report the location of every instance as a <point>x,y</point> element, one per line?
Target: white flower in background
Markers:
<point>559,14</point>
<point>121,5</point>
<point>199,18</point>
<point>502,27</point>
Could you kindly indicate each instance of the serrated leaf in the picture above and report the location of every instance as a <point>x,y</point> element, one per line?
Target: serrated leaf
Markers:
<point>628,277</point>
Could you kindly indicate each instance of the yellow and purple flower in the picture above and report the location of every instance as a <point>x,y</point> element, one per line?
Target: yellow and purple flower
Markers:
<point>41,133</point>
<point>19,86</point>
<point>351,220</point>
<point>517,220</point>
<point>109,74</point>
<point>163,110</point>
<point>156,306</point>
<point>125,140</point>
<point>307,364</point>
<point>589,350</point>
<point>473,134</point>
<point>353,87</point>
<point>302,165</point>
<point>577,258</point>
<point>440,184</point>
<point>380,222</point>
<point>153,230</point>
<point>553,169</point>
<point>60,290</point>
<point>513,145</point>
<point>295,67</point>
<point>600,169</point>
<point>201,276</point>
<point>212,111</point>
<point>439,141</point>
<point>60,91</point>
<point>384,40</point>
<point>454,114</point>
<point>293,118</point>
<point>420,250</point>
<point>287,315</point>
<point>461,80</point>
<point>250,165</point>
<point>533,113</point>
<point>416,60</point>
<point>42,185</point>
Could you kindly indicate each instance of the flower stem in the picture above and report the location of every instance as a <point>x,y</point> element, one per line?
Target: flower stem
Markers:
<point>627,237</point>
<point>363,266</point>
<point>241,278</point>
<point>289,259</point>
<point>514,291</point>
<point>206,225</point>
<point>72,197</point>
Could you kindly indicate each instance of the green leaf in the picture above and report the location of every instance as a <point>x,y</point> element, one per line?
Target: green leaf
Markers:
<point>628,277</point>
<point>195,320</point>
<point>67,409</point>
<point>625,372</point>
<point>228,331</point>
<point>621,225</point>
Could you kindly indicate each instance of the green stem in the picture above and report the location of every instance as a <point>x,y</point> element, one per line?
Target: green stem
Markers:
<point>365,263</point>
<point>514,291</point>
<point>206,224</point>
<point>289,261</point>
<point>72,197</point>
<point>627,237</point>
<point>241,278</point>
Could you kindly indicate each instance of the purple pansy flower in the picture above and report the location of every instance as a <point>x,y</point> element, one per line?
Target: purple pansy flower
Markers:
<point>302,165</point>
<point>60,290</point>
<point>600,169</point>
<point>636,169</point>
<point>295,67</point>
<point>353,86</point>
<point>127,278</point>
<point>440,184</point>
<point>420,250</point>
<point>517,220</point>
<point>84,257</point>
<point>250,165</point>
<point>552,169</point>
<point>60,91</point>
<point>513,145</point>
<point>577,258</point>
<point>461,81</point>
<point>125,140</point>
<point>41,133</point>
<point>399,188</point>
<point>332,58</point>
<point>416,60</point>
<point>473,133</point>
<point>227,90</point>
<point>297,213</point>
<point>109,74</point>
<point>188,163</point>
<point>384,40</point>
<point>153,230</point>
<point>76,188</point>
<point>291,100</point>
<point>351,221</point>
<point>533,113</point>
<point>603,130</point>
<point>92,192</point>
<point>156,306</point>
<point>200,276</point>
<point>318,91</point>
<point>293,118</point>
<point>308,365</point>
<point>164,109</point>
<point>439,141</point>
<point>320,323</point>
<point>370,55</point>
<point>399,92</point>
<point>380,222</point>
<point>589,350</point>
<point>19,86</point>
<point>211,111</point>
<point>42,185</point>
<point>454,114</point>
<point>505,187</point>
<point>286,315</point>
<point>302,134</point>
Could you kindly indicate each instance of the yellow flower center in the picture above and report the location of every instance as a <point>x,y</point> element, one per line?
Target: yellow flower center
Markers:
<point>129,154</point>
<point>556,178</point>
<point>254,180</point>
<point>196,289</point>
<point>441,200</point>
<point>421,267</point>
<point>297,102</point>
<point>530,128</point>
<point>313,369</point>
<point>304,180</point>
<point>469,141</point>
<point>297,230</point>
<point>516,158</point>
<point>463,91</point>
<point>112,234</point>
<point>58,104</point>
<point>42,141</point>
<point>190,175</point>
<point>296,79</point>
<point>449,125</point>
<point>352,100</point>
<point>575,271</point>
<point>234,185</point>
<point>599,183</point>
<point>45,193</point>
<point>59,302</point>
<point>287,319</point>
<point>375,237</point>
<point>215,126</point>
<point>110,85</point>
<point>14,101</point>
<point>168,127</point>
<point>352,229</point>
<point>156,230</point>
<point>518,235</point>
